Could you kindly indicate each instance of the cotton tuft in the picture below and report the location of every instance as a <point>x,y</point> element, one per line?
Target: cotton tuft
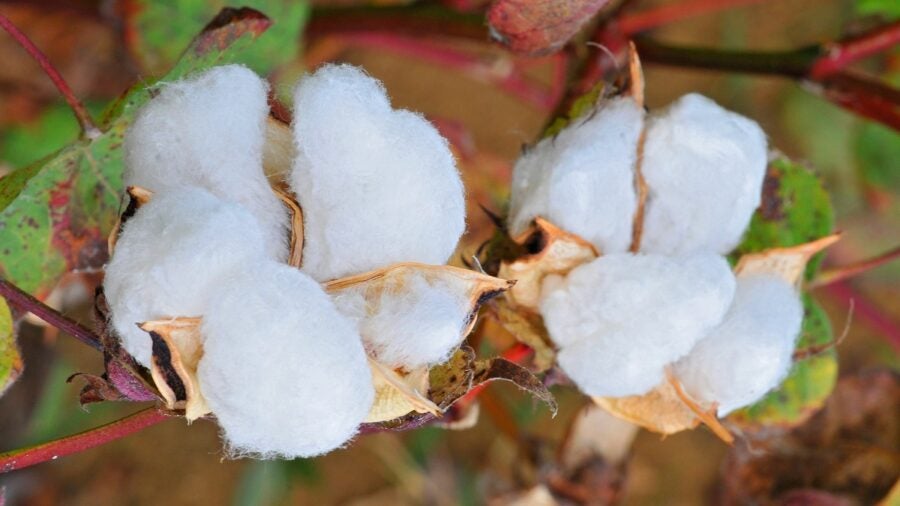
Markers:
<point>284,373</point>
<point>415,324</point>
<point>209,131</point>
<point>377,185</point>
<point>171,255</point>
<point>621,319</point>
<point>704,167</point>
<point>751,352</point>
<point>582,180</point>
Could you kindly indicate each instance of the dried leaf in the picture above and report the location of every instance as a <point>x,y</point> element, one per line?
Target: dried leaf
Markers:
<point>397,394</point>
<point>787,263</point>
<point>499,368</point>
<point>279,151</point>
<point>552,251</point>
<point>137,197</point>
<point>11,364</point>
<point>177,349</point>
<point>538,27</point>
<point>527,327</point>
<point>96,389</point>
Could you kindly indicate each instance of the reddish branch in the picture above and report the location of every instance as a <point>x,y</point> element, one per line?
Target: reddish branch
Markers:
<point>848,271</point>
<point>25,457</point>
<point>25,302</point>
<point>631,23</point>
<point>84,118</point>
<point>840,55</point>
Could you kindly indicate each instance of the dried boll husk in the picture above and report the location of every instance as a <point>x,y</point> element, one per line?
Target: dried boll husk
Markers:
<point>399,393</point>
<point>209,131</point>
<point>377,185</point>
<point>283,371</point>
<point>171,255</point>
<point>137,197</point>
<point>177,349</point>
<point>413,315</point>
<point>582,179</point>
<point>621,319</point>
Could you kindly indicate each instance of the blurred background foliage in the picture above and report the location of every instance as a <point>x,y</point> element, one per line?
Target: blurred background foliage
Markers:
<point>102,47</point>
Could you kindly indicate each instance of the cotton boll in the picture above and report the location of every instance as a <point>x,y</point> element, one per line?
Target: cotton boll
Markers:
<point>704,167</point>
<point>170,255</point>
<point>750,352</point>
<point>620,319</point>
<point>377,186</point>
<point>582,180</point>
<point>284,373</point>
<point>209,131</point>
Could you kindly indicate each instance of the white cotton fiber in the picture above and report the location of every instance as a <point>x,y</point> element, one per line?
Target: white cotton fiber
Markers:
<point>416,321</point>
<point>377,186</point>
<point>284,373</point>
<point>704,167</point>
<point>209,131</point>
<point>620,319</point>
<point>582,180</point>
<point>171,255</point>
<point>750,352</point>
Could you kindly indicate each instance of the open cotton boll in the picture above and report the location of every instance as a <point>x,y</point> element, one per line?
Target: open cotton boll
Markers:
<point>377,186</point>
<point>582,180</point>
<point>209,131</point>
<point>284,373</point>
<point>171,255</point>
<point>704,167</point>
<point>620,319</point>
<point>750,352</point>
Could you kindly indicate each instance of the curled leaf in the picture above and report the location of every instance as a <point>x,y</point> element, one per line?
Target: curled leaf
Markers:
<point>397,394</point>
<point>137,197</point>
<point>786,263</point>
<point>177,349</point>
<point>551,251</point>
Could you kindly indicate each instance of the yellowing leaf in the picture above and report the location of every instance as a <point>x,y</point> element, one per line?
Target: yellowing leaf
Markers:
<point>177,349</point>
<point>10,361</point>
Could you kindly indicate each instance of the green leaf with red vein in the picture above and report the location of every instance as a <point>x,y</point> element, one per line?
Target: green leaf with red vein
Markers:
<point>10,360</point>
<point>538,27</point>
<point>56,213</point>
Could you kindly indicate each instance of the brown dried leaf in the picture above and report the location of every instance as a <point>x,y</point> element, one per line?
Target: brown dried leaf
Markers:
<point>399,393</point>
<point>177,349</point>
<point>279,151</point>
<point>499,368</point>
<point>787,263</point>
<point>555,251</point>
<point>137,197</point>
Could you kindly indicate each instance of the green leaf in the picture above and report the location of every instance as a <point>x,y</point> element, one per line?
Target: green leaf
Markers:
<point>10,360</point>
<point>161,29</point>
<point>878,156</point>
<point>887,8</point>
<point>56,213</point>
<point>809,382</point>
<point>26,143</point>
<point>581,106</point>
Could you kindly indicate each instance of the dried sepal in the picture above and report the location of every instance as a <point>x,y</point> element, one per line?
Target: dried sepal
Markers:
<point>295,256</point>
<point>551,251</point>
<point>177,349</point>
<point>137,197</point>
<point>279,151</point>
<point>788,264</point>
<point>528,328</point>
<point>635,75</point>
<point>399,393</point>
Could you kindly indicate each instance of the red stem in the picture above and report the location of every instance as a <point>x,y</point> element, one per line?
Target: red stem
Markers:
<point>25,457</point>
<point>84,118</point>
<point>25,302</point>
<point>840,55</point>
<point>656,17</point>
<point>843,272</point>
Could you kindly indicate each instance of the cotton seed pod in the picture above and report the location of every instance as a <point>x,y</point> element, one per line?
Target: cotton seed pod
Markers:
<point>414,315</point>
<point>750,352</point>
<point>621,319</point>
<point>170,256</point>
<point>704,167</point>
<point>283,371</point>
<point>378,186</point>
<point>555,252</point>
<point>209,131</point>
<point>582,180</point>
<point>177,349</point>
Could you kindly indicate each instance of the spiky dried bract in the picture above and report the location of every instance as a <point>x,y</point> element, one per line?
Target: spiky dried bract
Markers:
<point>750,352</point>
<point>377,185</point>
<point>704,167</point>
<point>171,255</point>
<point>285,374</point>
<point>414,315</point>
<point>620,319</point>
<point>208,131</point>
<point>582,179</point>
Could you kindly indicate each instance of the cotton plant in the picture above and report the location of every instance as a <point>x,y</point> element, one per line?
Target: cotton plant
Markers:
<point>623,219</point>
<point>290,280</point>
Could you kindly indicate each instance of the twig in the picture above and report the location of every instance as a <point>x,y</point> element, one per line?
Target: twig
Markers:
<point>25,457</point>
<point>848,271</point>
<point>25,302</point>
<point>88,128</point>
<point>631,23</point>
<point>840,55</point>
